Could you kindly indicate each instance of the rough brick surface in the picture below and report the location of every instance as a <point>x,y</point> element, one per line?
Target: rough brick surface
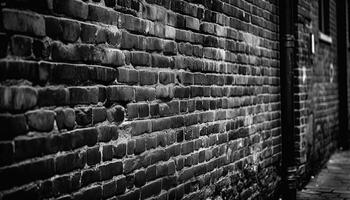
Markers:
<point>151,99</point>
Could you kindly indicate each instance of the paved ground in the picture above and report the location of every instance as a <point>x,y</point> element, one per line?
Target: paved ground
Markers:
<point>333,182</point>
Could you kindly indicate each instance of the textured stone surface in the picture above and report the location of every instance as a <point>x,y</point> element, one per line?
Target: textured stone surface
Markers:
<point>41,120</point>
<point>154,99</point>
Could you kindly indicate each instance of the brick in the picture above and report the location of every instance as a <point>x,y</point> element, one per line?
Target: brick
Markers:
<point>164,92</point>
<point>134,194</point>
<point>185,48</point>
<point>170,32</point>
<point>94,192</point>
<point>164,109</point>
<point>154,109</point>
<point>21,46</point>
<point>107,133</point>
<point>23,21</point>
<point>111,169</point>
<point>140,146</point>
<point>18,98</point>
<point>6,153</point>
<point>140,59</point>
<point>93,156</point>
<point>121,183</point>
<point>120,93</point>
<point>53,96</point>
<point>130,179</point>
<point>181,92</point>
<point>109,189</point>
<point>68,162</point>
<point>63,29</point>
<point>126,75</point>
<point>119,151</point>
<point>116,114</point>
<point>12,125</point>
<point>72,8</point>
<point>143,110</point>
<point>148,77</point>
<point>162,61</point>
<point>185,78</point>
<point>132,110</point>
<point>154,44</point>
<point>170,48</point>
<point>113,57</point>
<point>41,120</point>
<point>140,126</point>
<point>91,33</point>
<point>62,52</point>
<point>99,114</point>
<point>107,152</point>
<point>104,75</point>
<point>19,70</point>
<point>151,189</point>
<point>65,118</point>
<point>129,41</point>
<point>81,137</point>
<point>166,77</point>
<point>83,95</point>
<point>83,115</point>
<point>140,178</point>
<point>145,94</point>
<point>100,14</point>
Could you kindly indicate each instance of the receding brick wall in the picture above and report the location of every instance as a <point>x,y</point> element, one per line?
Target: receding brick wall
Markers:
<point>316,91</point>
<point>135,99</point>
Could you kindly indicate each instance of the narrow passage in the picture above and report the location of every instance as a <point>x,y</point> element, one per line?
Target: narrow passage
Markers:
<point>333,182</point>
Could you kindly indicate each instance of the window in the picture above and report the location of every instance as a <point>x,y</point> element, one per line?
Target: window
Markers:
<point>323,16</point>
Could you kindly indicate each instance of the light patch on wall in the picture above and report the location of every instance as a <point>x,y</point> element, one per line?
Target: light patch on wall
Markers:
<point>304,74</point>
<point>331,72</point>
<point>251,39</point>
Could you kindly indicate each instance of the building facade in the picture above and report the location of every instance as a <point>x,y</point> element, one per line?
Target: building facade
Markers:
<point>179,99</point>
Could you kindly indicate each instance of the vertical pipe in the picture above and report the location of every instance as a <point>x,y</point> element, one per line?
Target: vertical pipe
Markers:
<point>342,73</point>
<point>287,42</point>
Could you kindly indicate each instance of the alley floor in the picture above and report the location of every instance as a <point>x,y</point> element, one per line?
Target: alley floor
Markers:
<point>333,182</point>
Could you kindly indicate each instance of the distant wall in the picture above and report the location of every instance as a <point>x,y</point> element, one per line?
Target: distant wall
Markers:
<point>316,90</point>
<point>138,99</point>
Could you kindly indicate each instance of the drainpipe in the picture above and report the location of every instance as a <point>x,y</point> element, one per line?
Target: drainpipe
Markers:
<point>342,74</point>
<point>287,42</point>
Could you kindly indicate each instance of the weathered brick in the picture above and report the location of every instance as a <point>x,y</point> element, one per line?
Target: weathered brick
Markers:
<point>18,98</point>
<point>23,21</point>
<point>41,120</point>
<point>93,156</point>
<point>64,29</point>
<point>120,93</point>
<point>99,114</point>
<point>83,95</point>
<point>49,96</point>
<point>116,114</point>
<point>151,189</point>
<point>148,77</point>
<point>140,59</point>
<point>111,169</point>
<point>83,115</point>
<point>65,118</point>
<point>119,151</point>
<point>21,45</point>
<point>73,8</point>
<point>145,94</point>
<point>126,75</point>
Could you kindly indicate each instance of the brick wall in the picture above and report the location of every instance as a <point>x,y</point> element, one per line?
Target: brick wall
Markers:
<point>138,99</point>
<point>316,91</point>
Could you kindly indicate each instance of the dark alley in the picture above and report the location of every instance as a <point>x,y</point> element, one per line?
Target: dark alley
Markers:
<point>332,183</point>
